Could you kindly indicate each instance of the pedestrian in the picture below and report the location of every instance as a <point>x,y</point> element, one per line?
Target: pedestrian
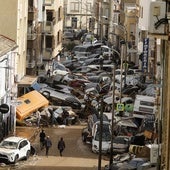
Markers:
<point>101,61</point>
<point>48,144</point>
<point>48,72</point>
<point>38,116</point>
<point>61,146</point>
<point>42,139</point>
<point>52,117</point>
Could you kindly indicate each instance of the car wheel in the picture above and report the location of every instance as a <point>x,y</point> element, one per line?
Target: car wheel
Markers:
<point>27,155</point>
<point>83,138</point>
<point>65,82</point>
<point>16,159</point>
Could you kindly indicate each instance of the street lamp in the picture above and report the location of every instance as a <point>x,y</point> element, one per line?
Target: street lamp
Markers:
<point>124,47</point>
<point>112,121</point>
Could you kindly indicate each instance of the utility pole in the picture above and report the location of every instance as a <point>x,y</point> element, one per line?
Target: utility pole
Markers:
<point>101,133</point>
<point>112,121</point>
<point>101,20</point>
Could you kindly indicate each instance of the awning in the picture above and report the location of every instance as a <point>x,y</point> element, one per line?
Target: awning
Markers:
<point>30,102</point>
<point>27,81</point>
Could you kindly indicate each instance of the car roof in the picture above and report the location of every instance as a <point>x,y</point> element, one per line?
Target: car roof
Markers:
<point>14,139</point>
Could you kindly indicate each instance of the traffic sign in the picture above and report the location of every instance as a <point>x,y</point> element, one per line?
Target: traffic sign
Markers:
<point>120,107</point>
<point>4,108</point>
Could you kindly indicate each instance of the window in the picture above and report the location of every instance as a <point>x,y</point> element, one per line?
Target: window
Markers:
<point>27,101</point>
<point>146,103</point>
<point>60,13</point>
<point>74,7</point>
<point>49,15</point>
<point>89,7</point>
<point>48,41</point>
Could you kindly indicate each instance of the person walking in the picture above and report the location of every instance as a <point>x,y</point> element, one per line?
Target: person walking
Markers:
<point>38,115</point>
<point>61,146</point>
<point>48,144</point>
<point>42,139</point>
<point>48,72</point>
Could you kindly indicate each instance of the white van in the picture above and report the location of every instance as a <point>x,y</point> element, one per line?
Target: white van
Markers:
<point>143,106</point>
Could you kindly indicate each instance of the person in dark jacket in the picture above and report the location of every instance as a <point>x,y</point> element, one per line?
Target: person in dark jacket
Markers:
<point>61,146</point>
<point>42,139</point>
<point>48,144</point>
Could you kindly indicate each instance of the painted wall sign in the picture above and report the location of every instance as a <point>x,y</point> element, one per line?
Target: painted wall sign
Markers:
<point>145,54</point>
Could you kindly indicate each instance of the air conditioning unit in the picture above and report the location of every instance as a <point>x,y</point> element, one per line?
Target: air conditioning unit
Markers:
<point>16,78</point>
<point>157,17</point>
<point>154,153</point>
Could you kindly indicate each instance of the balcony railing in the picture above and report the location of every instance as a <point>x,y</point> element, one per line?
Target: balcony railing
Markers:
<point>32,13</point>
<point>47,27</point>
<point>32,36</point>
<point>48,2</point>
<point>30,64</point>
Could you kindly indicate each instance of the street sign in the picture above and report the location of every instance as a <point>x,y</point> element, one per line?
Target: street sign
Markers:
<point>120,107</point>
<point>4,108</point>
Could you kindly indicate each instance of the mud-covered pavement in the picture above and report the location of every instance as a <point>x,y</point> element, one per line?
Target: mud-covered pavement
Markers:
<point>76,156</point>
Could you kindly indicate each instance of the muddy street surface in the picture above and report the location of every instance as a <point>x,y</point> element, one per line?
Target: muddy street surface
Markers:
<point>76,156</point>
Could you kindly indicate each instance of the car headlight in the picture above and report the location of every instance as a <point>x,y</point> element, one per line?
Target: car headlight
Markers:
<point>12,154</point>
<point>95,146</point>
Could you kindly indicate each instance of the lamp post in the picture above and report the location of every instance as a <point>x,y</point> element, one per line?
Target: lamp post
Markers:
<point>123,56</point>
<point>123,52</point>
<point>112,121</point>
<point>101,133</point>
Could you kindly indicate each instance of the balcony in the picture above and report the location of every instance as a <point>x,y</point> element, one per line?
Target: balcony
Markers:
<point>30,64</point>
<point>47,27</point>
<point>32,13</point>
<point>47,54</point>
<point>31,40</point>
<point>48,2</point>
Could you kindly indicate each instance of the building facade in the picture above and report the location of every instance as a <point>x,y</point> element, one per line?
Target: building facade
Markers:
<point>8,86</point>
<point>45,28</point>
<point>14,18</point>
<point>78,14</point>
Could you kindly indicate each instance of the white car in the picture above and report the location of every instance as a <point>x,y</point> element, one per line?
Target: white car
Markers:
<point>13,149</point>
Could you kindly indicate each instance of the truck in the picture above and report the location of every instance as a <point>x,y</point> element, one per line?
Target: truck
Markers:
<point>91,133</point>
<point>144,106</point>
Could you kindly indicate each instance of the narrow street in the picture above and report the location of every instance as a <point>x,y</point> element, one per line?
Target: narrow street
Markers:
<point>76,156</point>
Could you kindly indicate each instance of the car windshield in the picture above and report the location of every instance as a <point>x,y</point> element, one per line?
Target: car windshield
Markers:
<point>120,140</point>
<point>8,144</point>
<point>106,135</point>
<point>59,66</point>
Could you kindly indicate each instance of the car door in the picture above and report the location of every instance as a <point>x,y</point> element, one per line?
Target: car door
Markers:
<point>23,147</point>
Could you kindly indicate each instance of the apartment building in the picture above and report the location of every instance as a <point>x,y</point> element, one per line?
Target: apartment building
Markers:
<point>45,28</point>
<point>13,17</point>
<point>52,29</point>
<point>8,87</point>
<point>78,14</point>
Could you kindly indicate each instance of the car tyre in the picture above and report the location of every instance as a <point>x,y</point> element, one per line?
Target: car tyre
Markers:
<point>27,155</point>
<point>83,138</point>
<point>16,159</point>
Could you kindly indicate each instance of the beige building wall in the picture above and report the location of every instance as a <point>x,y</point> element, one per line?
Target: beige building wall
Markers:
<point>13,18</point>
<point>53,28</point>
<point>165,156</point>
<point>58,27</point>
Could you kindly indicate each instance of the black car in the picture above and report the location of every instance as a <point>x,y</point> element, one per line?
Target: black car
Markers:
<point>61,98</point>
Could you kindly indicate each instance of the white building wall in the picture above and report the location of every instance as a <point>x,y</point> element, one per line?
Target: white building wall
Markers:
<point>2,77</point>
<point>39,5</point>
<point>144,14</point>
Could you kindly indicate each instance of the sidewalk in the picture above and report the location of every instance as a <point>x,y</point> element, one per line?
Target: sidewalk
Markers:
<point>63,163</point>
